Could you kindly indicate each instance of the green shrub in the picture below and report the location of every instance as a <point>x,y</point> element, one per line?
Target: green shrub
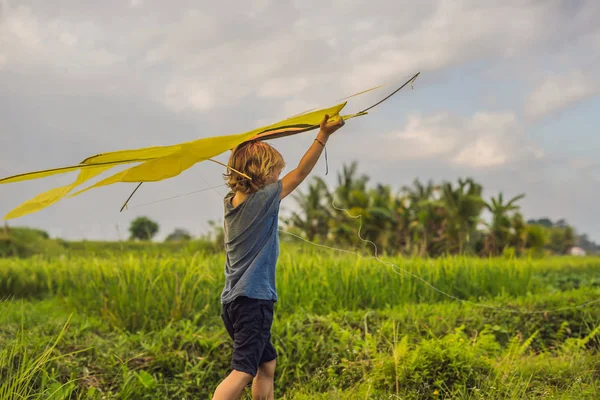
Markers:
<point>26,242</point>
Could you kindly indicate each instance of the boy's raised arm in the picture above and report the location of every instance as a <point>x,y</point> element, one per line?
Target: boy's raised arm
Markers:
<point>308,161</point>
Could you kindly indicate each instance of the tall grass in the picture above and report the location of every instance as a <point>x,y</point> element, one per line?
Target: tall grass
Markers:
<point>134,291</point>
<point>24,374</point>
<point>345,327</point>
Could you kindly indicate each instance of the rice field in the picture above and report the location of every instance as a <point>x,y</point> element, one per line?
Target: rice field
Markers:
<point>131,325</point>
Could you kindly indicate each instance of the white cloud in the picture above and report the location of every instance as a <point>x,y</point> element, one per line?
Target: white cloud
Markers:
<point>453,33</point>
<point>20,28</point>
<point>483,140</point>
<point>29,40</point>
<point>428,137</point>
<point>188,94</point>
<point>558,92</point>
<point>481,153</point>
<point>289,53</point>
<point>494,139</point>
<point>68,38</point>
<point>583,163</point>
<point>279,87</point>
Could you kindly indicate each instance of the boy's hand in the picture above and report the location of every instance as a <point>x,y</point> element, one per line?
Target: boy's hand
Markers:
<point>328,127</point>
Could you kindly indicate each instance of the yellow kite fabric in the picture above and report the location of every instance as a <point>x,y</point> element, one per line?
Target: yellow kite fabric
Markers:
<point>157,163</point>
<point>173,162</point>
<point>164,162</point>
<point>53,195</point>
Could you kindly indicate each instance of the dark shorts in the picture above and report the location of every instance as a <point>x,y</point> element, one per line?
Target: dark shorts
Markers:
<point>248,322</point>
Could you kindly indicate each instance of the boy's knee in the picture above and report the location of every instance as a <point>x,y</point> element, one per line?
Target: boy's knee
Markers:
<point>241,376</point>
<point>266,370</point>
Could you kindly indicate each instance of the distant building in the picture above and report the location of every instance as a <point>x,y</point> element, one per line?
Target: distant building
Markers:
<point>577,251</point>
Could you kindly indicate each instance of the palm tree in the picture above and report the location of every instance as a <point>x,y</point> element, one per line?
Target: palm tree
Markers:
<point>419,191</point>
<point>314,214</point>
<point>379,217</point>
<point>348,181</point>
<point>400,227</point>
<point>500,227</point>
<point>518,237</point>
<point>424,214</point>
<point>462,208</point>
<point>350,197</point>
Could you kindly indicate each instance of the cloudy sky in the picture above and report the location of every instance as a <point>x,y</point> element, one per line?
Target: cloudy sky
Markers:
<point>507,95</point>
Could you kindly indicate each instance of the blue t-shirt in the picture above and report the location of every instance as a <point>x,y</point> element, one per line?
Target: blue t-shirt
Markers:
<point>252,245</point>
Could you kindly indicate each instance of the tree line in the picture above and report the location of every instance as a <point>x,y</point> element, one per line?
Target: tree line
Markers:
<point>424,219</point>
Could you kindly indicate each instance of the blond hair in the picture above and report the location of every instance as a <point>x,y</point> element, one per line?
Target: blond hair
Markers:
<point>256,159</point>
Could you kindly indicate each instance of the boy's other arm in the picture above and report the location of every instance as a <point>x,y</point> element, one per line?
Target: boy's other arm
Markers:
<point>310,158</point>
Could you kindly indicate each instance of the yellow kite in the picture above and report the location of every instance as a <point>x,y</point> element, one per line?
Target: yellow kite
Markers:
<point>163,162</point>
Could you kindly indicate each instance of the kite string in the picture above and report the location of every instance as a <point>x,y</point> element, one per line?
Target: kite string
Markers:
<point>177,196</point>
<point>395,268</point>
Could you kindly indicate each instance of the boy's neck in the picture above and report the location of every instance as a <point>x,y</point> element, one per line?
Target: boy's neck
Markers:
<point>238,198</point>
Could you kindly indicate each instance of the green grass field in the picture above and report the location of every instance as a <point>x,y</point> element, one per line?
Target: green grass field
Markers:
<point>133,326</point>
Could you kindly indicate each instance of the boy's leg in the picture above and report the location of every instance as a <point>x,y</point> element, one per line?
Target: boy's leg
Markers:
<point>248,325</point>
<point>233,386</point>
<point>262,385</point>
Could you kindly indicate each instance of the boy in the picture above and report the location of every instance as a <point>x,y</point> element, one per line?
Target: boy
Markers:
<point>252,248</point>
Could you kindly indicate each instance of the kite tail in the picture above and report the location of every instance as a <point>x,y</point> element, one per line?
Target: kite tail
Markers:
<point>52,196</point>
